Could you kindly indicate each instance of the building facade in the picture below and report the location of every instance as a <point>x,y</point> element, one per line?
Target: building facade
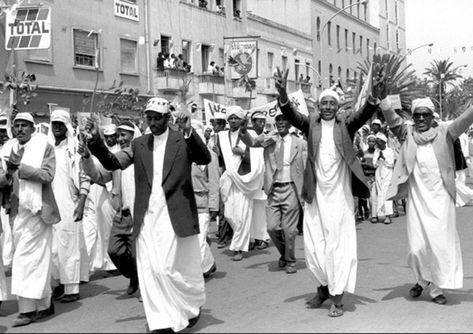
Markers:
<point>319,41</point>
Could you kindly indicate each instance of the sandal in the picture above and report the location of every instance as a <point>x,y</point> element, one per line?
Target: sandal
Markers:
<point>374,220</point>
<point>336,311</point>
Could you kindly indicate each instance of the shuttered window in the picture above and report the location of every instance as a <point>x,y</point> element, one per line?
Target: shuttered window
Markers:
<point>86,48</point>
<point>128,55</point>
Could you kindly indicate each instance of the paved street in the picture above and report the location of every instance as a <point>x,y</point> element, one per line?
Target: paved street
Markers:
<point>254,296</point>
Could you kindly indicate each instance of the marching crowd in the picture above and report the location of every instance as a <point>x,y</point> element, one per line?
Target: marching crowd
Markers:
<point>78,200</point>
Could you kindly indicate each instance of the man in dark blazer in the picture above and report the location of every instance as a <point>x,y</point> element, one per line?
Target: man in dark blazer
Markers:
<point>166,226</point>
<point>329,222</point>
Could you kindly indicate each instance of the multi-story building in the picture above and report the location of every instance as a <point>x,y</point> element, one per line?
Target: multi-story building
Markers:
<point>319,41</point>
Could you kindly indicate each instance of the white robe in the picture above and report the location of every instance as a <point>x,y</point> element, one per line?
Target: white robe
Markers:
<point>329,221</point>
<point>169,267</point>
<point>383,175</point>
<point>67,234</point>
<point>3,278</point>
<point>208,259</point>
<point>435,253</point>
<point>238,191</point>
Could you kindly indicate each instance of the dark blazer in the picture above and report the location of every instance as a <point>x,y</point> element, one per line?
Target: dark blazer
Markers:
<point>346,125</point>
<point>177,181</point>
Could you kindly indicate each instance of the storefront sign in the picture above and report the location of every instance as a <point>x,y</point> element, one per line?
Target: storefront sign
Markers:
<point>126,10</point>
<point>28,28</point>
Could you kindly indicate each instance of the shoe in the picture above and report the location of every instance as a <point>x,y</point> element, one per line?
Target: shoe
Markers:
<point>321,296</point>
<point>262,245</point>
<point>193,321</point>
<point>237,256</point>
<point>58,292</point>
<point>374,220</point>
<point>388,221</point>
<point>336,311</point>
<point>416,291</point>
<point>221,244</point>
<point>291,268</point>
<point>163,330</point>
<point>69,298</point>
<point>282,263</point>
<point>210,271</point>
<point>133,286</point>
<point>24,319</point>
<point>45,313</point>
<point>440,299</point>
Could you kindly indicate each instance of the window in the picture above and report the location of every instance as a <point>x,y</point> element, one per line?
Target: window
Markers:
<point>318,29</point>
<point>365,11</point>
<point>296,69</point>
<point>351,7</point>
<point>330,73</point>
<point>346,39</point>
<point>386,7</point>
<point>397,40</point>
<point>358,9</point>
<point>368,47</point>
<point>307,68</point>
<point>338,37</point>
<point>270,63</point>
<point>375,48</point>
<point>348,74</point>
<point>237,8</point>
<point>284,62</point>
<point>343,3</point>
<point>387,35</point>
<point>329,32</point>
<point>395,12</point>
<point>186,49</point>
<point>319,68</point>
<point>205,57</point>
<point>165,45</point>
<point>86,48</point>
<point>361,45</point>
<point>128,56</point>
<point>354,42</point>
<point>339,73</point>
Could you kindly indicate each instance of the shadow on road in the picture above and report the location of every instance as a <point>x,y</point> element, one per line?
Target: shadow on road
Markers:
<point>273,265</point>
<point>9,307</point>
<point>206,320</point>
<point>91,290</point>
<point>3,329</point>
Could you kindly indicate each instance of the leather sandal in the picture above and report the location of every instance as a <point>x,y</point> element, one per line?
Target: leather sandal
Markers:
<point>336,310</point>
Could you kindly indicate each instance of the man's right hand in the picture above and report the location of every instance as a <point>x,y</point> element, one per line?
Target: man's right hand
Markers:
<point>83,150</point>
<point>91,132</point>
<point>280,81</point>
<point>244,125</point>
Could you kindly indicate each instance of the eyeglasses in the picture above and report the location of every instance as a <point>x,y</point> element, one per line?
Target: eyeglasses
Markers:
<point>417,116</point>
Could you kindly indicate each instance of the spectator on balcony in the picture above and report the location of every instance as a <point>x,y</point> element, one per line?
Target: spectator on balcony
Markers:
<point>307,79</point>
<point>301,78</point>
<point>180,62</point>
<point>237,13</point>
<point>222,71</point>
<point>217,70</point>
<point>211,68</point>
<point>160,61</point>
<point>173,61</point>
<point>167,61</point>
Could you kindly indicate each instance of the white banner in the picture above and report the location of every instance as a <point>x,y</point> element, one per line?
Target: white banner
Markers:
<point>212,108</point>
<point>270,109</point>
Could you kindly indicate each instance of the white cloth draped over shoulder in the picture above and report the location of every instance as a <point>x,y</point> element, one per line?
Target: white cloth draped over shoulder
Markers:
<point>329,221</point>
<point>238,191</point>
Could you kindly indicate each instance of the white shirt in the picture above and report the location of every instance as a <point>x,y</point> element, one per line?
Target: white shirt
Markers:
<point>285,174</point>
<point>159,147</point>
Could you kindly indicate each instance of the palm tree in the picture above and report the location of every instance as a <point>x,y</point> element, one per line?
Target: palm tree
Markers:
<point>442,73</point>
<point>249,85</point>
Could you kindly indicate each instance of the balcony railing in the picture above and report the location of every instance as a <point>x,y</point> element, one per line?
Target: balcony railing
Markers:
<point>292,86</point>
<point>170,79</point>
<point>210,84</point>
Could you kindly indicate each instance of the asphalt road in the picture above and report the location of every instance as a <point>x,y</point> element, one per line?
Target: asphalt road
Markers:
<point>255,296</point>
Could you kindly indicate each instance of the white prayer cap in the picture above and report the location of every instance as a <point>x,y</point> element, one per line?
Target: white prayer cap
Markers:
<point>371,136</point>
<point>3,122</point>
<point>60,115</point>
<point>365,127</point>
<point>258,114</point>
<point>124,125</point>
<point>158,104</point>
<point>423,103</point>
<point>235,111</point>
<point>329,92</point>
<point>109,129</point>
<point>376,121</point>
<point>25,116</point>
<point>382,136</point>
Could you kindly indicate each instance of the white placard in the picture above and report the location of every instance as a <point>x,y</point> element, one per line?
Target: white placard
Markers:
<point>126,10</point>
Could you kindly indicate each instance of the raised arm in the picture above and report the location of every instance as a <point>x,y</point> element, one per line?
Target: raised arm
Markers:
<point>461,124</point>
<point>395,122</point>
<point>95,171</point>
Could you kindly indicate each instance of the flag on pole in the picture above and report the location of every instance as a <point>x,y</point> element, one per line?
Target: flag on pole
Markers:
<point>365,90</point>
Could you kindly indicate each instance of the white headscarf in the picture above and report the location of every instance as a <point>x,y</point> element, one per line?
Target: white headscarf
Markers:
<point>329,92</point>
<point>423,102</point>
<point>236,111</point>
<point>382,136</point>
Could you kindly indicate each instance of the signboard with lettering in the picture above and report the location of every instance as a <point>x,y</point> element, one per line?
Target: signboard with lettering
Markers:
<point>242,57</point>
<point>28,28</point>
<point>126,10</point>
<point>395,101</point>
<point>270,109</point>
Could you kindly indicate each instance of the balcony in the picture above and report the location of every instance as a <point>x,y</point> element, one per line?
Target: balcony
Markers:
<point>170,80</point>
<point>210,84</point>
<point>292,86</point>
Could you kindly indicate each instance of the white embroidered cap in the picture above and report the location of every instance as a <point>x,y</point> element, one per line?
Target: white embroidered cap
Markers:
<point>25,116</point>
<point>158,104</point>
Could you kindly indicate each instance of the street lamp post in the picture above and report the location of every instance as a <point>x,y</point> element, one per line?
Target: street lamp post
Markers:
<point>323,28</point>
<point>420,46</point>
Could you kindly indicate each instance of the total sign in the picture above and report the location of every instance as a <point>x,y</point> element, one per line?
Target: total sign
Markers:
<point>28,28</point>
<point>126,10</point>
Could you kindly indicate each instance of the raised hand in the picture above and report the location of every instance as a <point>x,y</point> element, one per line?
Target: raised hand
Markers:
<point>83,150</point>
<point>378,84</point>
<point>90,131</point>
<point>183,120</point>
<point>280,82</point>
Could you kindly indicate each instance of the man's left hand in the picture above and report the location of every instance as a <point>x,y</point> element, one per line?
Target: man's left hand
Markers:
<point>238,151</point>
<point>183,120</point>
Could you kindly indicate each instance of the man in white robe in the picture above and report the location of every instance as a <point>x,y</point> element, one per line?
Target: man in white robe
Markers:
<point>30,170</point>
<point>425,172</point>
<point>71,187</point>
<point>166,226</point>
<point>383,160</point>
<point>333,175</point>
<point>241,181</point>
